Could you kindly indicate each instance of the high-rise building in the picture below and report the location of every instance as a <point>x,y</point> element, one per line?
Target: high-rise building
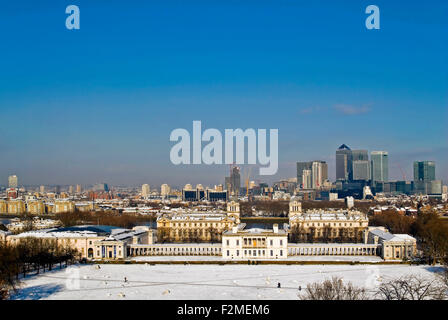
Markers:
<point>307,180</point>
<point>361,170</point>
<point>301,166</point>
<point>13,181</point>
<point>145,190</point>
<point>424,178</point>
<point>380,166</point>
<point>101,187</point>
<point>78,188</point>
<point>344,163</point>
<point>42,189</point>
<point>424,170</point>
<point>233,183</point>
<point>165,190</point>
<point>70,189</point>
<point>319,173</point>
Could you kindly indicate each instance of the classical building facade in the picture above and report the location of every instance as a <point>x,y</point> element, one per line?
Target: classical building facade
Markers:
<point>392,246</point>
<point>325,225</point>
<point>197,226</point>
<point>255,243</point>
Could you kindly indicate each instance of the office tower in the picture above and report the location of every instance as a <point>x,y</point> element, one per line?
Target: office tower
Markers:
<point>145,190</point>
<point>101,187</point>
<point>165,190</point>
<point>361,170</point>
<point>301,166</point>
<point>42,189</point>
<point>380,166</point>
<point>362,155</point>
<point>344,163</point>
<point>424,170</point>
<point>188,187</point>
<point>57,189</point>
<point>307,182</point>
<point>70,189</point>
<point>78,188</point>
<point>233,183</point>
<point>319,173</point>
<point>13,181</point>
<point>424,177</point>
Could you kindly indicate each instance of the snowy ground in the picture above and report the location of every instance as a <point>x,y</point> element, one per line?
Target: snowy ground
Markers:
<point>200,282</point>
<point>290,258</point>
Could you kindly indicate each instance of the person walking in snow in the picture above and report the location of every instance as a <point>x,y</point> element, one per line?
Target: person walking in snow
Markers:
<point>278,285</point>
<point>125,279</point>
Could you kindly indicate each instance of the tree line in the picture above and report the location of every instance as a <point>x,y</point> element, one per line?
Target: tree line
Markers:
<point>31,255</point>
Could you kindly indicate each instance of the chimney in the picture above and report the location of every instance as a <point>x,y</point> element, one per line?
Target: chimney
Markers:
<point>275,228</point>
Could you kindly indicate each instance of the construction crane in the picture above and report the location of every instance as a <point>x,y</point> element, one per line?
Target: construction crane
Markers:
<point>402,172</point>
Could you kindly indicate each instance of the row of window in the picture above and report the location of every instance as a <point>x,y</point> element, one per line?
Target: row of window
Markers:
<point>254,241</point>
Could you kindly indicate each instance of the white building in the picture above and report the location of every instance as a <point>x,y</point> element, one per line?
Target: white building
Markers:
<point>145,190</point>
<point>245,244</point>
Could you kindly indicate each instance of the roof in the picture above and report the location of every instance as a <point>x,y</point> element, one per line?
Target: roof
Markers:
<point>387,236</point>
<point>344,147</point>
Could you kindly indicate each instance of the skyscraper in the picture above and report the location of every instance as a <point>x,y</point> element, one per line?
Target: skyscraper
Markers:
<point>301,166</point>
<point>424,170</point>
<point>380,166</point>
<point>307,179</point>
<point>233,183</point>
<point>425,176</point>
<point>319,173</point>
<point>361,170</point>
<point>13,181</point>
<point>344,163</point>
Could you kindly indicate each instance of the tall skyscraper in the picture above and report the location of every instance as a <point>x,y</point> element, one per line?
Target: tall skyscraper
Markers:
<point>301,166</point>
<point>424,170</point>
<point>319,173</point>
<point>362,155</point>
<point>380,166</point>
<point>233,183</point>
<point>307,182</point>
<point>101,187</point>
<point>78,188</point>
<point>425,178</point>
<point>145,190</point>
<point>42,189</point>
<point>343,163</point>
<point>13,181</point>
<point>361,170</point>
<point>70,189</point>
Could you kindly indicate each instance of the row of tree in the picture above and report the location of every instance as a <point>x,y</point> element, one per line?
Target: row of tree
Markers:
<point>409,287</point>
<point>30,255</point>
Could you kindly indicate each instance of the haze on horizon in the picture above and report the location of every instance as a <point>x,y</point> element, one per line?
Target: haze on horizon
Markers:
<point>98,104</point>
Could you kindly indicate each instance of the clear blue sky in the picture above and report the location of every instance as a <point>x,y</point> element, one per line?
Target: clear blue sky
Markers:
<point>98,104</point>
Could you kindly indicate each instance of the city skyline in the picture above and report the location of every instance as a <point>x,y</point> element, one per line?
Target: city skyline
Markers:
<point>98,104</point>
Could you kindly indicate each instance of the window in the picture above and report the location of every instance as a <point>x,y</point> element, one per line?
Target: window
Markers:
<point>227,242</point>
<point>281,252</point>
<point>281,242</point>
<point>237,253</point>
<point>237,242</point>
<point>228,253</point>
<point>272,243</point>
<point>272,253</point>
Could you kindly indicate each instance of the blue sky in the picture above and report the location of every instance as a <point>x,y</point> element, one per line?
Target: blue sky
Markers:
<point>99,103</point>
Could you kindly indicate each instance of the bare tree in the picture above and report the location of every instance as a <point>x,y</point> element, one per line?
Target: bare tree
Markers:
<point>333,289</point>
<point>412,287</point>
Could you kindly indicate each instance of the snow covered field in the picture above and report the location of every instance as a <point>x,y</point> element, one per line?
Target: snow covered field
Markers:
<point>196,282</point>
<point>291,258</point>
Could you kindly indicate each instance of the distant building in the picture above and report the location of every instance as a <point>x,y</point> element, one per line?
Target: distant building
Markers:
<point>424,175</point>
<point>145,190</point>
<point>78,188</point>
<point>13,181</point>
<point>165,190</point>
<point>101,187</point>
<point>361,170</point>
<point>380,166</point>
<point>42,189</point>
<point>343,163</point>
<point>233,183</point>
